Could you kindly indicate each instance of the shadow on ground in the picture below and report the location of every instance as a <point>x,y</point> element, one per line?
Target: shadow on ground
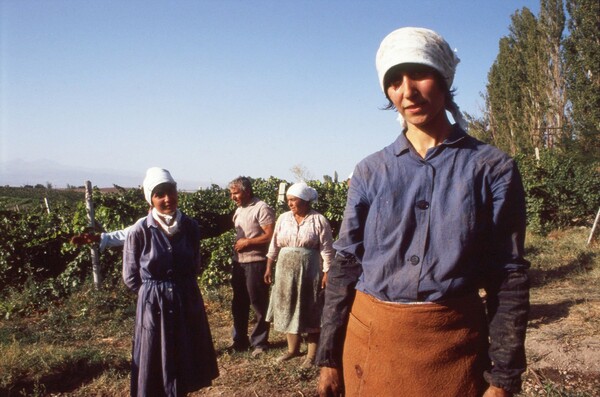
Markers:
<point>67,381</point>
<point>548,313</point>
<point>581,264</point>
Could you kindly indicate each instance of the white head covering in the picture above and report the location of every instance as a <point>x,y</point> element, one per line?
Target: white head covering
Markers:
<point>303,191</point>
<point>154,177</point>
<point>421,46</point>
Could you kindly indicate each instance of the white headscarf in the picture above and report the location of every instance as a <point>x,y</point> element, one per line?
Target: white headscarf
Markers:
<point>169,223</point>
<point>421,46</point>
<point>154,177</point>
<point>303,191</point>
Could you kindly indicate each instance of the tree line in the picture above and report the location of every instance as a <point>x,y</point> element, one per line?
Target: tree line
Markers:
<point>543,89</point>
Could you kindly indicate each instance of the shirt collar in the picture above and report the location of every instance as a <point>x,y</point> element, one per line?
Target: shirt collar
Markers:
<point>402,145</point>
<point>252,201</point>
<point>456,135</point>
<point>151,222</point>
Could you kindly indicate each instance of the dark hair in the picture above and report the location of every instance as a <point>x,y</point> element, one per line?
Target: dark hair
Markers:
<point>448,99</point>
<point>440,80</point>
<point>243,183</point>
<point>161,188</point>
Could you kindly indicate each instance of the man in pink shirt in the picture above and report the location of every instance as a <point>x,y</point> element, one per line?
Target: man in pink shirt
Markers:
<point>254,222</point>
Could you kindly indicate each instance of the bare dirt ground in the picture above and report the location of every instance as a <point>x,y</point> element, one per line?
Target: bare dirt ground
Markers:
<point>563,347</point>
<point>563,341</point>
<point>563,352</point>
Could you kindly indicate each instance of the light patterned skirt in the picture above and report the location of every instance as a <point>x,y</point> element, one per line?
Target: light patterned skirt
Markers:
<point>296,302</point>
<point>415,350</point>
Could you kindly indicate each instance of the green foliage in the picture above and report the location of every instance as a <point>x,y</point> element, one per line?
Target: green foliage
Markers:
<point>204,204</point>
<point>37,259</point>
<point>543,89</point>
<point>112,211</point>
<point>32,198</point>
<point>332,201</point>
<point>38,265</point>
<point>31,246</point>
<point>216,258</point>
<point>267,190</point>
<point>30,297</point>
<point>209,206</point>
<point>116,210</point>
<point>561,191</point>
<point>582,59</point>
<point>513,88</point>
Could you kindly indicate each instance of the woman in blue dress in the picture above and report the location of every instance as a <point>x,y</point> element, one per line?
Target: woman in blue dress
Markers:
<point>173,352</point>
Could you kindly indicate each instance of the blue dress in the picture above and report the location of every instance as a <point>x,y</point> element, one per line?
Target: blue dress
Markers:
<point>173,351</point>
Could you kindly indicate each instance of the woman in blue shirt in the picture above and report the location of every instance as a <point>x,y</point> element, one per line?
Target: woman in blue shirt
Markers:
<point>173,351</point>
<point>430,221</point>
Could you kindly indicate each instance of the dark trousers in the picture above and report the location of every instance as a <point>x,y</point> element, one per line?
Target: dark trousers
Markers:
<point>249,288</point>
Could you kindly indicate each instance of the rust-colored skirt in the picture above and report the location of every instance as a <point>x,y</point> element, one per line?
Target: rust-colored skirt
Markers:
<point>415,350</point>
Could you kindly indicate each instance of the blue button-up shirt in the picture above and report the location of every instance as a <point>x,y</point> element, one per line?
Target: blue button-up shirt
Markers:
<point>149,254</point>
<point>426,229</point>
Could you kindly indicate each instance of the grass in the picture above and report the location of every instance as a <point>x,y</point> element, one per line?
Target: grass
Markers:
<point>565,275</point>
<point>67,346</point>
<point>81,345</point>
<point>565,309</point>
<point>57,367</point>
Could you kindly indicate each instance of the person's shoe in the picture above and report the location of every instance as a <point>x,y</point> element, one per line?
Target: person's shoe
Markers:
<point>238,347</point>
<point>259,350</point>
<point>287,356</point>
<point>308,363</point>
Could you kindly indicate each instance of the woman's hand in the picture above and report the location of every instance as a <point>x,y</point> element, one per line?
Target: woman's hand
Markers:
<point>85,238</point>
<point>324,281</point>
<point>329,383</point>
<point>268,272</point>
<point>494,391</point>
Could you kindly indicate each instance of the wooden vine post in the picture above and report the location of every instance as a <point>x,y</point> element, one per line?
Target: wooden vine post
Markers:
<point>281,193</point>
<point>594,228</point>
<point>89,206</point>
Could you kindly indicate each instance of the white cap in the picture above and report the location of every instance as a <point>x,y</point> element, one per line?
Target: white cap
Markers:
<point>303,191</point>
<point>416,45</point>
<point>424,47</point>
<point>154,177</point>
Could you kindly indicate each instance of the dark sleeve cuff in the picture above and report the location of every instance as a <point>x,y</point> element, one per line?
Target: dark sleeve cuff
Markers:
<point>339,295</point>
<point>508,310</point>
<point>510,384</point>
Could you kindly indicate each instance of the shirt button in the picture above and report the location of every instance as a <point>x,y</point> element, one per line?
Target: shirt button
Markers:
<point>414,260</point>
<point>422,204</point>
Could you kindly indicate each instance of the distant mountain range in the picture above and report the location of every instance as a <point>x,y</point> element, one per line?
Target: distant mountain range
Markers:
<point>21,173</point>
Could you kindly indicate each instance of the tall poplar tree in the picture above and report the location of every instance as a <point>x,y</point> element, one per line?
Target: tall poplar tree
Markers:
<point>513,101</point>
<point>582,60</point>
<point>555,131</point>
<point>526,97</point>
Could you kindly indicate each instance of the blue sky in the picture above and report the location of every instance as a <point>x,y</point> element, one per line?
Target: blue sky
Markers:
<point>216,89</point>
